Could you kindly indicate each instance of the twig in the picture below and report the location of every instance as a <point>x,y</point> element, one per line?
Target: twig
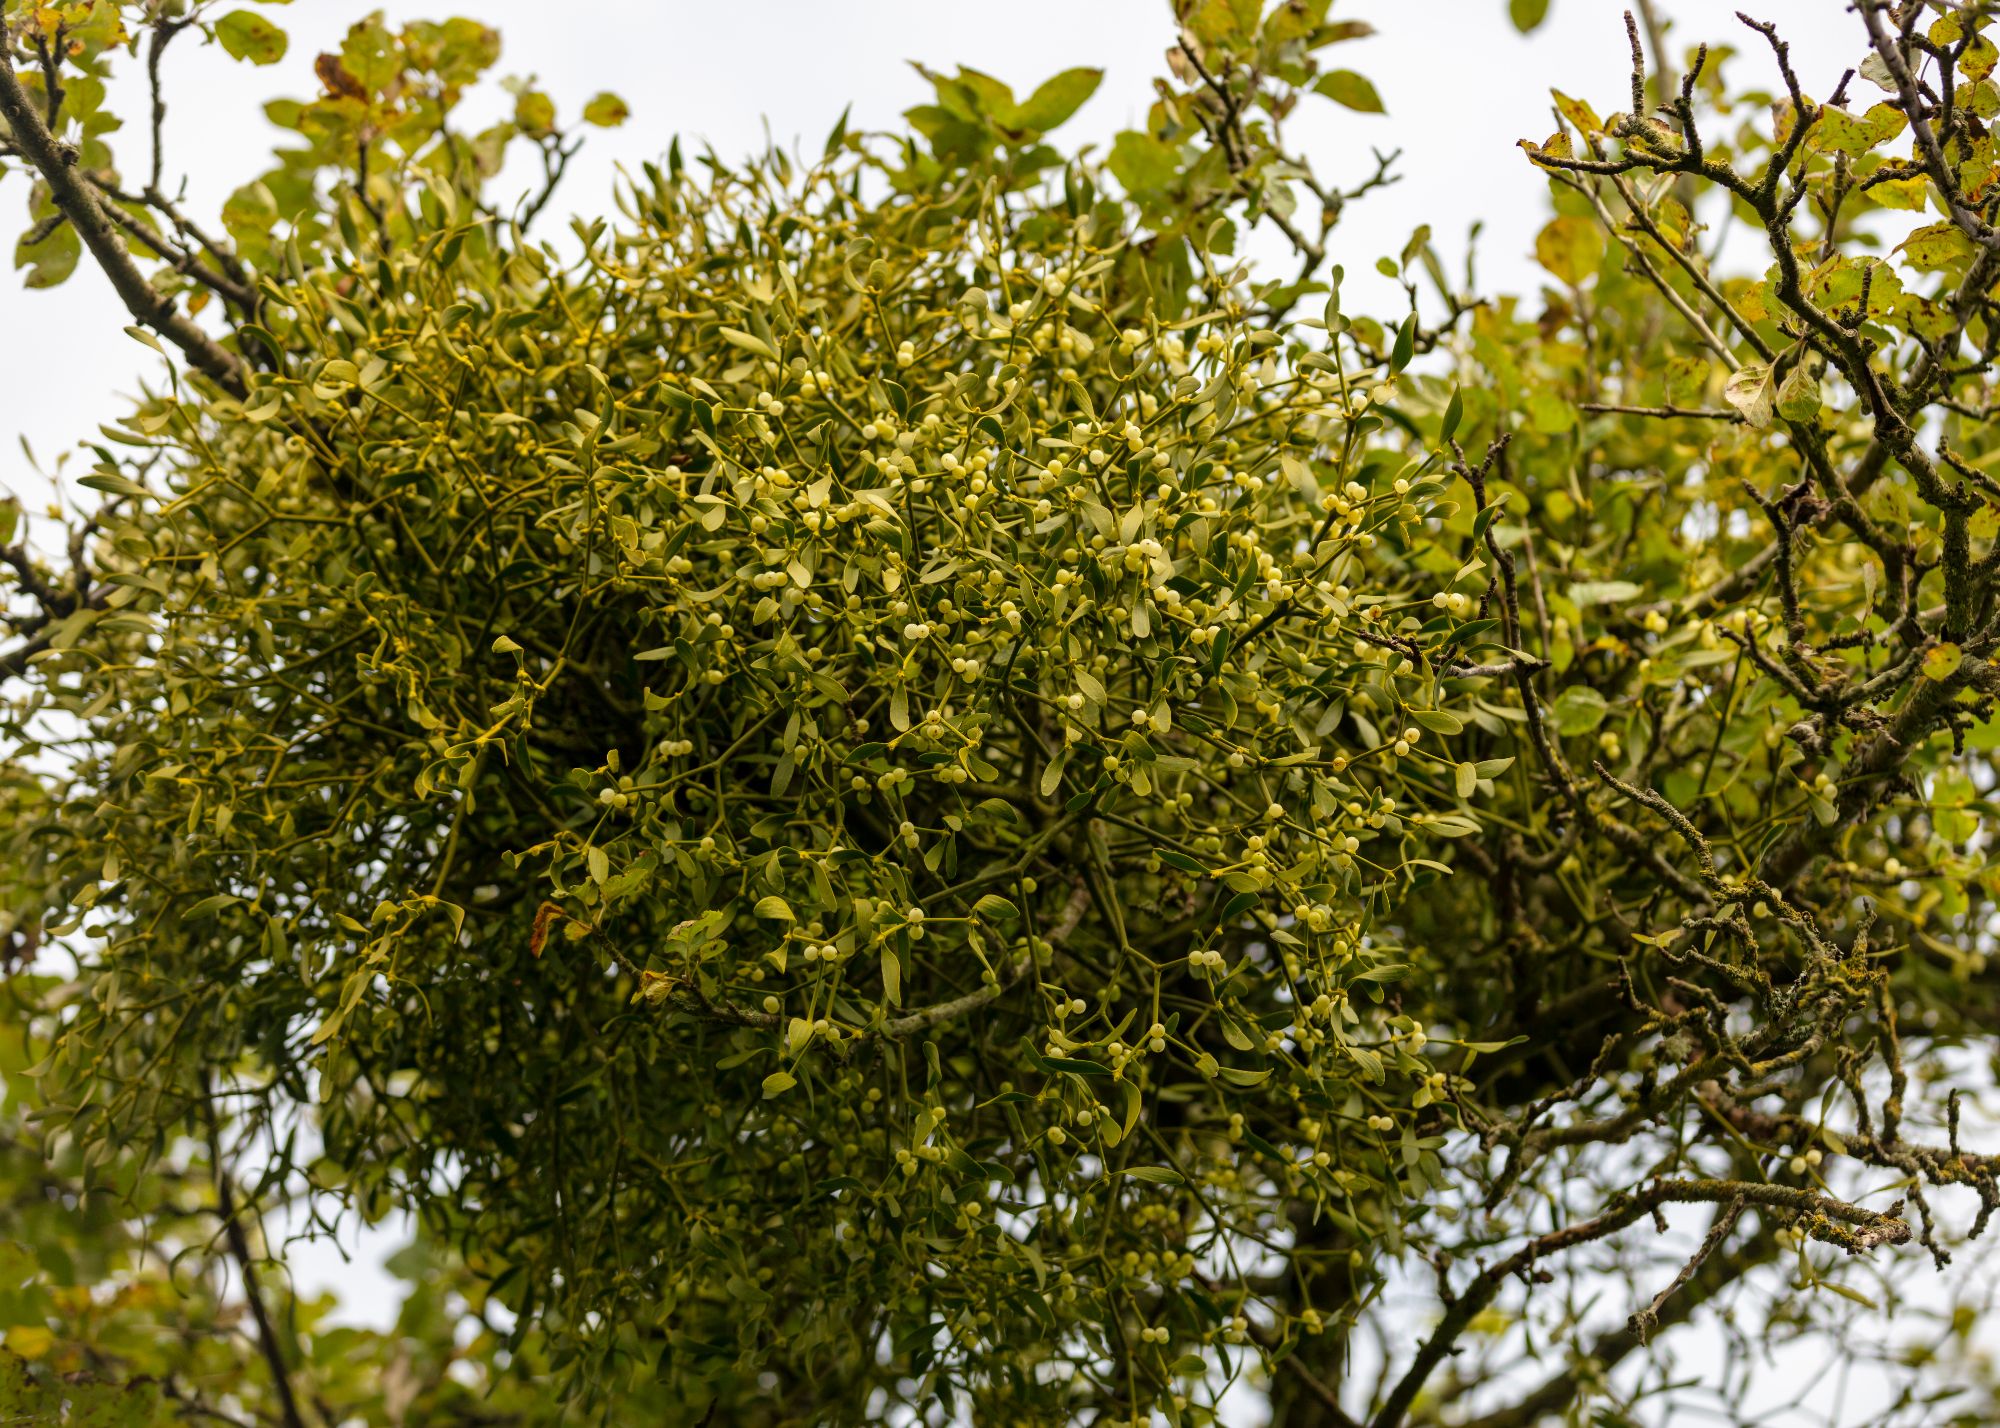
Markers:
<point>1644,1321</point>
<point>1697,413</point>
<point>1822,1215</point>
<point>239,1250</point>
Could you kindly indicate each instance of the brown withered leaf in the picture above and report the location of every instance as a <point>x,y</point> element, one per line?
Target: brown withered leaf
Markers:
<point>545,917</point>
<point>339,83</point>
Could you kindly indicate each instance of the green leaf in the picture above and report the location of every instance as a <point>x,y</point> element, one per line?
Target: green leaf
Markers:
<point>892,976</point>
<point>1133,1105</point>
<point>1845,1293</point>
<point>995,908</point>
<point>1406,345</point>
<point>1466,777</point>
<point>50,260</point>
<point>1527,15</point>
<point>779,1082</point>
<point>1605,592</point>
<point>1578,710</point>
<point>112,482</point>
<point>1075,1067</point>
<point>749,342</point>
<point>1055,99</point>
<point>775,908</point>
<point>1344,86</point>
<point>1154,1175</point>
<point>1142,163</point>
<point>1052,775</point>
<point>247,35</point>
<point>1798,395</point>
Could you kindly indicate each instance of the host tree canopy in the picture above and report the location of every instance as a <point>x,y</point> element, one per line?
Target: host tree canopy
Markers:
<point>893,785</point>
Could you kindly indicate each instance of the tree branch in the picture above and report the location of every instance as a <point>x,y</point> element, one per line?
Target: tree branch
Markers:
<point>239,1250</point>
<point>1824,1218</point>
<point>75,198</point>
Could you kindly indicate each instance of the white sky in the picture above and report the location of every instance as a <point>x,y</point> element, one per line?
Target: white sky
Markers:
<point>1460,85</point>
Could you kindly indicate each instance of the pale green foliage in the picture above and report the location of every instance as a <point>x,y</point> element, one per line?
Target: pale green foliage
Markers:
<point>883,781</point>
<point>869,635</point>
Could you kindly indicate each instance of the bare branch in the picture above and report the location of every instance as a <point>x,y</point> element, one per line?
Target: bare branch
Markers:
<point>99,233</point>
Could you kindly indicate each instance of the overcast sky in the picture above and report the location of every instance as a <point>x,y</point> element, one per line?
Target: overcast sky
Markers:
<point>1460,85</point>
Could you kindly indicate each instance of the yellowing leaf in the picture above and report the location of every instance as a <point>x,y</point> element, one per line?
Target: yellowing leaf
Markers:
<point>1979,58</point>
<point>1937,247</point>
<point>1838,131</point>
<point>30,1341</point>
<point>606,111</point>
<point>1578,112</point>
<point>1686,380</point>
<point>1556,146</point>
<point>1751,391</point>
<point>1570,247</point>
<point>535,112</point>
<point>1941,662</point>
